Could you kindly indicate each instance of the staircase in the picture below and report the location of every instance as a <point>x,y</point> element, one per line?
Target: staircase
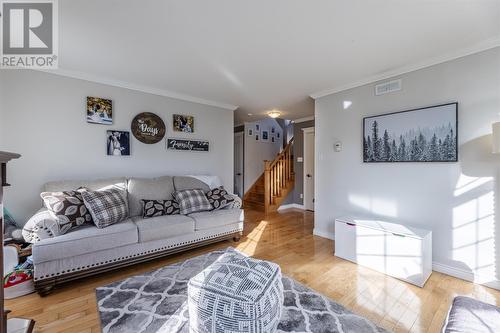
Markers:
<point>273,186</point>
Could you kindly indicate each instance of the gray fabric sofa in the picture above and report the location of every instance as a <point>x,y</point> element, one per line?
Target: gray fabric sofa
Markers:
<point>89,250</point>
<point>468,315</point>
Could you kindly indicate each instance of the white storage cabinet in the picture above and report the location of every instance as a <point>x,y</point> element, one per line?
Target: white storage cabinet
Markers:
<point>394,249</point>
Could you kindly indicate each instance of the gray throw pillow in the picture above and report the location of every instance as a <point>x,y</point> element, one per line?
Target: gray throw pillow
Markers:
<point>192,201</point>
<point>107,206</point>
<point>67,208</point>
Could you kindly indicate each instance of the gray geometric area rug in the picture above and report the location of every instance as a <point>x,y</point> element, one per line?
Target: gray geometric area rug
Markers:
<point>156,302</point>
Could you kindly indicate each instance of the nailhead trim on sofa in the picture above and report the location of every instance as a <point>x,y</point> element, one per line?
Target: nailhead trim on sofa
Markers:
<point>136,255</point>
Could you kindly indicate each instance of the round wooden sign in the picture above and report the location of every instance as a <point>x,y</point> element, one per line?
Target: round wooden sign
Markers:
<point>148,128</point>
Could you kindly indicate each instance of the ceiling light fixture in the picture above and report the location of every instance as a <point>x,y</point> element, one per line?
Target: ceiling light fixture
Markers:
<point>274,114</point>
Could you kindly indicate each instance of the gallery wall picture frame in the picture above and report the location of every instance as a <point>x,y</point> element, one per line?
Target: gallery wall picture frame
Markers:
<point>273,130</point>
<point>250,132</point>
<point>426,134</point>
<point>257,128</point>
<point>183,123</point>
<point>265,135</point>
<point>272,139</point>
<point>148,128</point>
<point>278,134</point>
<point>117,143</point>
<point>99,110</point>
<point>257,137</point>
<point>181,144</point>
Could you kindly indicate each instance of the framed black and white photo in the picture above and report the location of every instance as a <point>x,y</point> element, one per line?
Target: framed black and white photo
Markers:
<point>118,143</point>
<point>250,132</point>
<point>272,139</point>
<point>273,130</point>
<point>426,134</point>
<point>256,137</point>
<point>257,128</point>
<point>277,135</point>
<point>265,136</point>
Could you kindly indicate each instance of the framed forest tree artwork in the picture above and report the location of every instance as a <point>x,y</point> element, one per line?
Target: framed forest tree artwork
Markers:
<point>420,135</point>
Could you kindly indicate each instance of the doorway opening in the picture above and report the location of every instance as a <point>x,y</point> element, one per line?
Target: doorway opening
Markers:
<point>239,163</point>
<point>309,168</point>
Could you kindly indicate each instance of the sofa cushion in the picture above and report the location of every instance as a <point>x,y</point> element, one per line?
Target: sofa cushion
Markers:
<point>188,183</point>
<point>86,239</point>
<point>107,206</point>
<point>160,188</point>
<point>163,227</point>
<point>216,218</point>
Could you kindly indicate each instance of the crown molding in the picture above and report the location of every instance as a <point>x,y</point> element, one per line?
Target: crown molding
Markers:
<point>304,119</point>
<point>480,47</point>
<point>145,89</point>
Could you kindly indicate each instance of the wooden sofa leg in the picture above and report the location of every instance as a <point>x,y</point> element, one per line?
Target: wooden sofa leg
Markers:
<point>46,288</point>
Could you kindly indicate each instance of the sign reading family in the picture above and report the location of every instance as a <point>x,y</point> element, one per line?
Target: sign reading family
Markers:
<point>148,128</point>
<point>29,34</point>
<point>187,145</point>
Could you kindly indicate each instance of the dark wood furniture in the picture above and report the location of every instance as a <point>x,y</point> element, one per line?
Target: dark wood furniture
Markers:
<point>6,326</point>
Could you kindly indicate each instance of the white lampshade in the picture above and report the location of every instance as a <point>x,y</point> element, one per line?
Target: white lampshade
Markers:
<point>496,137</point>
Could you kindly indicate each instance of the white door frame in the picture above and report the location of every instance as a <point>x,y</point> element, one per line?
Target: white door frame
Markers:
<point>242,135</point>
<point>305,131</point>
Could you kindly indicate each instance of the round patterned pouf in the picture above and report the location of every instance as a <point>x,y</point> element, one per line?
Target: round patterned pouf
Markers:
<point>236,294</point>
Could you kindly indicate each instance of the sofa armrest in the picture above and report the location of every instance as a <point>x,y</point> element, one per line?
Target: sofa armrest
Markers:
<point>237,203</point>
<point>41,226</point>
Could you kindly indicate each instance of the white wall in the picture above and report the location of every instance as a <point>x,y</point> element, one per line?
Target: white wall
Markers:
<point>256,152</point>
<point>43,118</point>
<point>454,200</point>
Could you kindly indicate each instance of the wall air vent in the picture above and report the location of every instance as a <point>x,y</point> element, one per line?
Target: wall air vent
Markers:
<point>388,87</point>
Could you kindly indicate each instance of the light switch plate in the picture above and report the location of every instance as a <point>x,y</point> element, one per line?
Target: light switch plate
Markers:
<point>300,159</point>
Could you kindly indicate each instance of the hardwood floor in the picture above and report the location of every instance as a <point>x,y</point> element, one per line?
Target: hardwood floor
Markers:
<point>285,238</point>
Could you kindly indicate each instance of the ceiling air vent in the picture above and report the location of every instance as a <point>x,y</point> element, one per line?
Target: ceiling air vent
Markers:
<point>387,87</point>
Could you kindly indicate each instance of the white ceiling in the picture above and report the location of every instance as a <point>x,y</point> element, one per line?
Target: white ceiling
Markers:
<point>264,54</point>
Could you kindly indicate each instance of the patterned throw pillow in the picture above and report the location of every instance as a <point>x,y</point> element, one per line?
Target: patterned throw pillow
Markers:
<point>192,201</point>
<point>67,208</point>
<point>219,198</point>
<point>152,208</point>
<point>106,206</point>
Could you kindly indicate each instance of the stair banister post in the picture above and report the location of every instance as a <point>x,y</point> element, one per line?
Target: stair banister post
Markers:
<point>267,186</point>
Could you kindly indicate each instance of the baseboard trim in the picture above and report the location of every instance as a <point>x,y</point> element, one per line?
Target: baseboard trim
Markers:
<point>487,281</point>
<point>289,206</point>
<point>324,234</point>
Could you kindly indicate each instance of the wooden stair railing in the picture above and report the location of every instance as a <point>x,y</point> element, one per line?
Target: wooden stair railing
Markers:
<point>278,178</point>
<point>273,186</point>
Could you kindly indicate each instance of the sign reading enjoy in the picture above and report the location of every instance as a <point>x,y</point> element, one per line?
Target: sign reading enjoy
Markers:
<point>148,128</point>
<point>187,145</point>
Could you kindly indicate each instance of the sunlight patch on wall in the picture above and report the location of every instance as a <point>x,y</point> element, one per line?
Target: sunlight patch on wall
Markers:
<point>378,206</point>
<point>474,234</point>
<point>466,184</point>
